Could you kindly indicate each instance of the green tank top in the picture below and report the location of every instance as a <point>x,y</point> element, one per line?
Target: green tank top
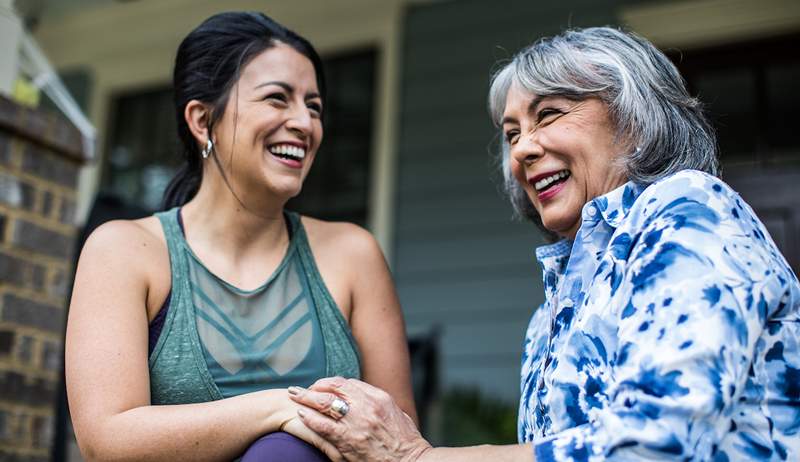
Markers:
<point>219,341</point>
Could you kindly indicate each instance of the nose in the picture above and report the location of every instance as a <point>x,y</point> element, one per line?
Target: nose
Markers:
<point>300,121</point>
<point>527,149</point>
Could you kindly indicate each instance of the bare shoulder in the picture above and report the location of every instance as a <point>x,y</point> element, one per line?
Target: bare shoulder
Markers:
<point>128,249</point>
<point>341,238</point>
<point>125,238</point>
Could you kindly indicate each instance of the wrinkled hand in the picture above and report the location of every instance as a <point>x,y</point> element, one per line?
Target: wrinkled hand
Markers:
<point>374,429</point>
<point>296,427</point>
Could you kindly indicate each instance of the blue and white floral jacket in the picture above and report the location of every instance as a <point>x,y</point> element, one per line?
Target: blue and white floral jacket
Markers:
<point>670,331</point>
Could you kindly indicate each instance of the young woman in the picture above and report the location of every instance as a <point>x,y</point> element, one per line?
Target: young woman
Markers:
<point>238,297</point>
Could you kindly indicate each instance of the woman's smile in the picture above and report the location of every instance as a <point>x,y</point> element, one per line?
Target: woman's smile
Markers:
<point>548,184</point>
<point>290,154</point>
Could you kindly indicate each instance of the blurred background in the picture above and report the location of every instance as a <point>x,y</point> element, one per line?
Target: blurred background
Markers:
<point>87,134</point>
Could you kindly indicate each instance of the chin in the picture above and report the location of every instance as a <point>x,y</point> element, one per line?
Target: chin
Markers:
<point>558,225</point>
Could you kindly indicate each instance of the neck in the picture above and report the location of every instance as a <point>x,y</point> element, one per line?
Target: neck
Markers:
<point>232,224</point>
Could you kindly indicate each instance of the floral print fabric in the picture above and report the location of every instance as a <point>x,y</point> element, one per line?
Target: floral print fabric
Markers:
<point>669,331</point>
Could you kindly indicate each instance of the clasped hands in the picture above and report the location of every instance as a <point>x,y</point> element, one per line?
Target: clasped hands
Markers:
<point>374,427</point>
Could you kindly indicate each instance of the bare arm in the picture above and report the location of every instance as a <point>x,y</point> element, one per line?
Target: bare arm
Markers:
<point>107,369</point>
<point>508,453</point>
<point>352,264</point>
<point>378,327</point>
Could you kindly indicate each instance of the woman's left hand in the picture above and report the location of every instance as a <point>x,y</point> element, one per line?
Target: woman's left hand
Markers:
<point>374,428</point>
<point>295,426</point>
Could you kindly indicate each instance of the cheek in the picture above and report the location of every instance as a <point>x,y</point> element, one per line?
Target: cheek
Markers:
<point>517,171</point>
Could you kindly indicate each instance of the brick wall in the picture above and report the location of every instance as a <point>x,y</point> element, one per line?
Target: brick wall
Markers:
<point>40,157</point>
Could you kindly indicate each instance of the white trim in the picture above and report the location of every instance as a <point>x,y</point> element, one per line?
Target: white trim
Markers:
<point>383,172</point>
<point>10,36</point>
<point>700,23</point>
<point>34,64</point>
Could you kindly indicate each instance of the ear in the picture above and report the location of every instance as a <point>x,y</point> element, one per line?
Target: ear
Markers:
<point>197,115</point>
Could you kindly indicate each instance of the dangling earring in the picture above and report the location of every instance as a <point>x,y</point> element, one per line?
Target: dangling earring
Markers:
<point>207,150</point>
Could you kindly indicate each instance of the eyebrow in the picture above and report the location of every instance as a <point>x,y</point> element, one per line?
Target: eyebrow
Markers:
<point>287,87</point>
<point>537,99</point>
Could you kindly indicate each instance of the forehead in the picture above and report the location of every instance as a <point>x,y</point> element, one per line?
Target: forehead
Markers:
<point>280,63</point>
<point>518,99</point>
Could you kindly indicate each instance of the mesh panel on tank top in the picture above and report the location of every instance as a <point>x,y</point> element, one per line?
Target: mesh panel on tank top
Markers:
<point>265,338</point>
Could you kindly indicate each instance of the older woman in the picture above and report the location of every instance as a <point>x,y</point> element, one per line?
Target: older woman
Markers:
<point>670,328</point>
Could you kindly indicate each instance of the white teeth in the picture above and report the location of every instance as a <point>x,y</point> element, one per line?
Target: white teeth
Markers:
<point>288,150</point>
<point>545,182</point>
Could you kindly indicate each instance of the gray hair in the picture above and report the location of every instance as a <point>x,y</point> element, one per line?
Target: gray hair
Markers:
<point>662,128</point>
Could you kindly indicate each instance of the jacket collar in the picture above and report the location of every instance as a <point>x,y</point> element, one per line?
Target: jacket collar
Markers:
<point>612,207</point>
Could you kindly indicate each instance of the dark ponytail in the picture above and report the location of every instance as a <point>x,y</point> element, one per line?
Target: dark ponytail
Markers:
<point>207,66</point>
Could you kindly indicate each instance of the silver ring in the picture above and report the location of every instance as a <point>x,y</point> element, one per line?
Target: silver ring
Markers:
<point>340,406</point>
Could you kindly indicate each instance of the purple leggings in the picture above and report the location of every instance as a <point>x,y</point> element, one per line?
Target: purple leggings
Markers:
<point>280,447</point>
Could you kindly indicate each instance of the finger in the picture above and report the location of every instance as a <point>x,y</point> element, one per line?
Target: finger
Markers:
<point>350,389</point>
<point>329,384</point>
<point>322,402</point>
<point>328,449</point>
<point>321,424</point>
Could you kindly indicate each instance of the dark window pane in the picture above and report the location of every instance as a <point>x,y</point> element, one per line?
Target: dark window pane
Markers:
<point>730,99</point>
<point>784,100</point>
<point>143,150</point>
<point>750,92</point>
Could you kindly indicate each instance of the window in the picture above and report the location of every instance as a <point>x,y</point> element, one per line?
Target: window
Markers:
<point>143,151</point>
<point>750,91</point>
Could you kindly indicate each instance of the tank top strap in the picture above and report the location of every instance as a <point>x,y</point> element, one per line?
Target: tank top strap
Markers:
<point>173,378</point>
<point>341,350</point>
<point>172,233</point>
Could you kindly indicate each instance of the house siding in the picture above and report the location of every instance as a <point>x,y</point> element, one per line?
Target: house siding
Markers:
<point>461,263</point>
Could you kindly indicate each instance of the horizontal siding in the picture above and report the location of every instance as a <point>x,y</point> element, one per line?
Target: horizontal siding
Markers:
<point>462,265</point>
<point>465,300</point>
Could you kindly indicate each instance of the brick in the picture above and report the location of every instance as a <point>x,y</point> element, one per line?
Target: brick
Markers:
<point>42,431</point>
<point>9,112</point>
<point>66,213</point>
<point>60,284</point>
<point>10,190</point>
<point>32,314</point>
<point>37,123</point>
<point>8,456</point>
<point>42,163</point>
<point>18,389</point>
<point>20,272</point>
<point>16,193</point>
<point>5,150</point>
<point>20,431</point>
<point>25,349</point>
<point>67,135</point>
<point>47,203</point>
<point>31,236</point>
<point>12,269</point>
<point>6,341</point>
<point>51,356</point>
<point>37,277</point>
